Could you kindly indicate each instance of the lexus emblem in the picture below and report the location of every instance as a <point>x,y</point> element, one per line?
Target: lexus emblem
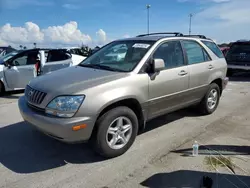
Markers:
<point>30,93</point>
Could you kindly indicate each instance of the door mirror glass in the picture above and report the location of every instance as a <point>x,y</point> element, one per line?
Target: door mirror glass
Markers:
<point>159,65</point>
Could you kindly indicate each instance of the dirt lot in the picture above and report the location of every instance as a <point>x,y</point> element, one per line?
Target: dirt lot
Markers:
<point>158,158</point>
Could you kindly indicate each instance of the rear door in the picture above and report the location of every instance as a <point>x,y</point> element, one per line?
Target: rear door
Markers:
<point>57,59</point>
<point>21,71</point>
<point>200,66</point>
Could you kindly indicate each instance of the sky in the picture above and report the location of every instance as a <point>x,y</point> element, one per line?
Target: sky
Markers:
<point>56,23</point>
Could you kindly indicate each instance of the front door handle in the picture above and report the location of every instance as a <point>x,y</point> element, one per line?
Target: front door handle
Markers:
<point>210,66</point>
<point>182,73</point>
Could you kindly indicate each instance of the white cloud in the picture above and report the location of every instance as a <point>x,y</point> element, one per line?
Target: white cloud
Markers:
<point>71,6</point>
<point>227,21</point>
<point>66,34</point>
<point>53,36</point>
<point>101,37</point>
<point>126,36</point>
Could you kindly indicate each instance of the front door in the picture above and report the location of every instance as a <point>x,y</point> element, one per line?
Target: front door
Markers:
<point>21,70</point>
<point>167,89</point>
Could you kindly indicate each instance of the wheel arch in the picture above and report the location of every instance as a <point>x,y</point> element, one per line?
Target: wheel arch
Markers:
<point>219,82</point>
<point>131,103</point>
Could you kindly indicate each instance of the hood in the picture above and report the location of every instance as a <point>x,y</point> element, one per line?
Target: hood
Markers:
<point>73,80</point>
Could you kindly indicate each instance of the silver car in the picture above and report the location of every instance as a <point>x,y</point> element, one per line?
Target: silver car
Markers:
<point>107,101</point>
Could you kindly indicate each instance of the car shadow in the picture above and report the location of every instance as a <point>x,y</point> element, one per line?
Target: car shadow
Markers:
<point>168,118</point>
<point>12,94</point>
<point>217,150</point>
<point>194,179</point>
<point>23,149</point>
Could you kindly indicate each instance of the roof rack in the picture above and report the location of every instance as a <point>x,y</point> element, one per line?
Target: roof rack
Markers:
<point>198,36</point>
<point>163,33</point>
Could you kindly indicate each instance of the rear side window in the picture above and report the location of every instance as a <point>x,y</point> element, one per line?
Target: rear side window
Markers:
<point>214,48</point>
<point>57,55</point>
<point>195,52</point>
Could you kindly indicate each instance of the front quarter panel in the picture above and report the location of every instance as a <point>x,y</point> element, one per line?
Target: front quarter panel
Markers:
<point>100,97</point>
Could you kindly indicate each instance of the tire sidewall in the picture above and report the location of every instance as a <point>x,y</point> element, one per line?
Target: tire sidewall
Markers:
<point>212,86</point>
<point>103,124</point>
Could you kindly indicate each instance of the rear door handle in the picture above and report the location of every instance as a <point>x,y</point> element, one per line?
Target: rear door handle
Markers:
<point>182,73</point>
<point>210,66</point>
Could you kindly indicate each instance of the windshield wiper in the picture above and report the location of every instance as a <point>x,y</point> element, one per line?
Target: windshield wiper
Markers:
<point>99,66</point>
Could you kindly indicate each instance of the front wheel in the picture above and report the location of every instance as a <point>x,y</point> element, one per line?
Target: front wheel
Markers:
<point>116,132</point>
<point>211,100</point>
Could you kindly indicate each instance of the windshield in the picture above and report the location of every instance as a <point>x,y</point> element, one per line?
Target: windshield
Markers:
<point>8,56</point>
<point>120,56</point>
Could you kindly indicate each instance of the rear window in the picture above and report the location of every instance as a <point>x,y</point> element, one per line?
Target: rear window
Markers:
<point>214,48</point>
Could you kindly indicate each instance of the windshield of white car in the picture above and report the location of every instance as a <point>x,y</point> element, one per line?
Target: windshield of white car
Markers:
<point>8,56</point>
<point>120,56</point>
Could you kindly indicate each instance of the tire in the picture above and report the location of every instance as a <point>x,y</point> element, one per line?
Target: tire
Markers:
<point>2,89</point>
<point>102,138</point>
<point>204,106</point>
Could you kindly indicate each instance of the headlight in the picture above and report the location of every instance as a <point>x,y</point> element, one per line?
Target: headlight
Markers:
<point>64,106</point>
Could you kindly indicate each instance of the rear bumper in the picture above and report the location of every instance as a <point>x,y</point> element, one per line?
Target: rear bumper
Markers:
<point>239,67</point>
<point>58,128</point>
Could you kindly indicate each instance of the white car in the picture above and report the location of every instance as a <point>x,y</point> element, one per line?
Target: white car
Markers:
<point>18,70</point>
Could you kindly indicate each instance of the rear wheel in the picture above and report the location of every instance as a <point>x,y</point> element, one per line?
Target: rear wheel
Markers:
<point>211,100</point>
<point>116,132</point>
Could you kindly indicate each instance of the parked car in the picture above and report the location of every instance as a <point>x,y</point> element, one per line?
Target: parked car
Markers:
<point>238,57</point>
<point>4,50</point>
<point>17,70</point>
<point>108,101</point>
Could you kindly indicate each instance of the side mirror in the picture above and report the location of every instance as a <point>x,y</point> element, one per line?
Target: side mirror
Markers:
<point>159,65</point>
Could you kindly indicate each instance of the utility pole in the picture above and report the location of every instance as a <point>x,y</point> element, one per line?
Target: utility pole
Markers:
<point>190,23</point>
<point>148,7</point>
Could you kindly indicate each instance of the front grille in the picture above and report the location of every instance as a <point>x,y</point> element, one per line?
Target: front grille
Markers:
<point>34,96</point>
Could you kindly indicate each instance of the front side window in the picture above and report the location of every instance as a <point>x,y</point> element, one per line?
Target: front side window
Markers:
<point>121,56</point>
<point>172,54</point>
<point>214,48</point>
<point>26,59</point>
<point>195,53</point>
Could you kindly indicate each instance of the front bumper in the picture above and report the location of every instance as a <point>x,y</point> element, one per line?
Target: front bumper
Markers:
<point>58,128</point>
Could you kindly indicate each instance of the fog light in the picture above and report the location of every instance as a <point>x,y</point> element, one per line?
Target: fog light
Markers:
<point>78,127</point>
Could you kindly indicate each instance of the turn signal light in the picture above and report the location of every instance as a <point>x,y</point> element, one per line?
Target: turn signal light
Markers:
<point>78,127</point>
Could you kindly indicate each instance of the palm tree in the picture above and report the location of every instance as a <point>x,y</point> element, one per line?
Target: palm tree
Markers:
<point>21,46</point>
<point>34,45</point>
<point>24,47</point>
